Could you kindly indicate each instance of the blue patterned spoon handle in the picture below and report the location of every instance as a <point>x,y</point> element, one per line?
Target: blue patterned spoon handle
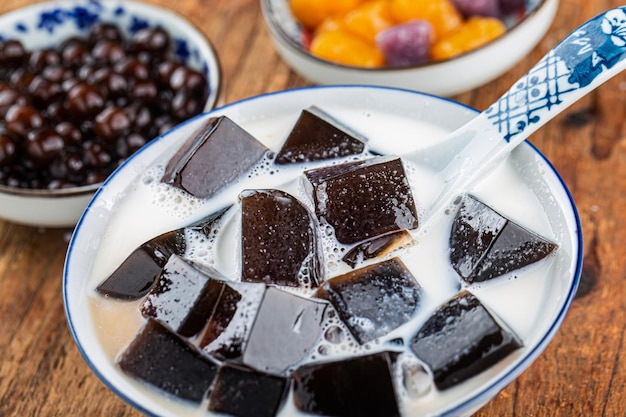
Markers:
<point>582,61</point>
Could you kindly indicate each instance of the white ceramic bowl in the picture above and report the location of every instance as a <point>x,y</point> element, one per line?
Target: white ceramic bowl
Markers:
<point>393,117</point>
<point>443,78</point>
<point>47,24</point>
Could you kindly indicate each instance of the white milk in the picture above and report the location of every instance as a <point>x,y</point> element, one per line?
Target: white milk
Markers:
<point>150,208</point>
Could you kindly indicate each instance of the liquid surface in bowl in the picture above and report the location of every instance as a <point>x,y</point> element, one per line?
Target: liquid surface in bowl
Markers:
<point>150,208</point>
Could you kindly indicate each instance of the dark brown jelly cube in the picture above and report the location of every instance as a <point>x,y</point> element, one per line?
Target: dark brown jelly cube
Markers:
<point>135,277</point>
<point>364,199</point>
<point>159,357</point>
<point>317,176</point>
<point>278,240</point>
<point>462,339</point>
<point>183,297</point>
<point>228,328</point>
<point>244,392</point>
<point>285,331</point>
<point>316,137</point>
<point>377,247</point>
<point>210,224</point>
<point>484,244</point>
<point>217,154</point>
<point>354,387</point>
<point>373,300</point>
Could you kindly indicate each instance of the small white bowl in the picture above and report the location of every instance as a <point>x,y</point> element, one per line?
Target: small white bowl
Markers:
<point>444,78</point>
<point>46,24</point>
<point>401,121</point>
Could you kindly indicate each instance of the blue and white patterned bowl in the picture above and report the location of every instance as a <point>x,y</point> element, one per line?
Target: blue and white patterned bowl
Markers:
<point>47,24</point>
<point>444,78</point>
<point>425,119</point>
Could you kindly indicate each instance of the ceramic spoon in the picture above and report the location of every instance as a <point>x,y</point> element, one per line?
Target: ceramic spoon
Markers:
<point>582,61</point>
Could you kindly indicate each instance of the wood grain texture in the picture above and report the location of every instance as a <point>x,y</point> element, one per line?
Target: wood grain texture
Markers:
<point>581,373</point>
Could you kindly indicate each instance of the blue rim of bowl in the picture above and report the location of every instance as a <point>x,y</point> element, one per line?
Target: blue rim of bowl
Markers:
<point>269,11</point>
<point>84,18</point>
<point>488,392</point>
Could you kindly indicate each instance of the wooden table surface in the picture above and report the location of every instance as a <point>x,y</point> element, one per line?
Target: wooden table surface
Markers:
<point>581,373</point>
